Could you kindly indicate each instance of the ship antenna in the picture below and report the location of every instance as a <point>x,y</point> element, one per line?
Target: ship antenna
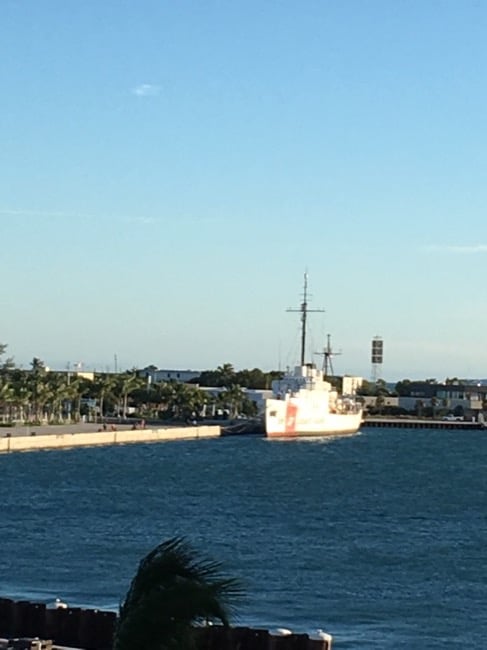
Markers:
<point>304,311</point>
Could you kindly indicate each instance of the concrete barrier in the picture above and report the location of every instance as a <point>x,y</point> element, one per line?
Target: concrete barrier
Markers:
<point>68,440</point>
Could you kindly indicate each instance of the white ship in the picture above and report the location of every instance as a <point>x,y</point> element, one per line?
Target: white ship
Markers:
<point>305,404</point>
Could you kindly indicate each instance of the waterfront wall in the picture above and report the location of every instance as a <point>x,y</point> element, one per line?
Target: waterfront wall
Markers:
<point>417,423</point>
<point>67,440</point>
<point>93,630</point>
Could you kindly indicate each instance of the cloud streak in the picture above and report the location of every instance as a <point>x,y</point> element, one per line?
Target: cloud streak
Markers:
<point>146,90</point>
<point>469,249</point>
<point>131,220</point>
<point>9,212</point>
<point>145,221</point>
<point>43,214</point>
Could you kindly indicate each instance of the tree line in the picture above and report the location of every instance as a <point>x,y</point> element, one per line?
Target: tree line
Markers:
<point>37,395</point>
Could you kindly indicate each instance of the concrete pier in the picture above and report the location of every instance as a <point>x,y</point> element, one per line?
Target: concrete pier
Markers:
<point>67,440</point>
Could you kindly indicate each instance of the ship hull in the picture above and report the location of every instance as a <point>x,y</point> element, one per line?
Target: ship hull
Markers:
<point>296,419</point>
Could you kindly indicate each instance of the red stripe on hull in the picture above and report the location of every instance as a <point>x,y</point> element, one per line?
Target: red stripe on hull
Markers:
<point>291,415</point>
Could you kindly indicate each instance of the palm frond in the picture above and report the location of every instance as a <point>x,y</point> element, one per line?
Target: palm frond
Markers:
<point>173,590</point>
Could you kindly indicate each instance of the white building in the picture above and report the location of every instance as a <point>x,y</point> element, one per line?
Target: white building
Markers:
<point>350,385</point>
<point>155,375</point>
<point>256,395</point>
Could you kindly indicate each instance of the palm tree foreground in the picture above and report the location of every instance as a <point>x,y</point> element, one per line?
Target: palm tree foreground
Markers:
<point>173,591</point>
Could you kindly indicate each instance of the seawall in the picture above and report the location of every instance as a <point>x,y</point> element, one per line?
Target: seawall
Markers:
<point>420,423</point>
<point>96,438</point>
<point>93,630</point>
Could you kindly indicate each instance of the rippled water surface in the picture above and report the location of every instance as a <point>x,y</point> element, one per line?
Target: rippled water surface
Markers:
<point>379,538</point>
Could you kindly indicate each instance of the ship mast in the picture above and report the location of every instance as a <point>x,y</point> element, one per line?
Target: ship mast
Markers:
<point>328,353</point>
<point>304,311</point>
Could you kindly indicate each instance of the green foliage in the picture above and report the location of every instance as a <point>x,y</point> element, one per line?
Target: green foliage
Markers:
<point>403,388</point>
<point>173,590</point>
<point>249,408</point>
<point>8,364</point>
<point>225,376</point>
<point>366,389</point>
<point>253,379</point>
<point>46,396</point>
<point>37,366</point>
<point>370,388</point>
<point>232,399</point>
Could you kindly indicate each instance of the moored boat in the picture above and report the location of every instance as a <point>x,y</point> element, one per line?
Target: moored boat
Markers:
<point>305,403</point>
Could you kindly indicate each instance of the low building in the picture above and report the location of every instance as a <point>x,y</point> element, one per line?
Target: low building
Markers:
<point>468,399</point>
<point>82,374</point>
<point>156,375</point>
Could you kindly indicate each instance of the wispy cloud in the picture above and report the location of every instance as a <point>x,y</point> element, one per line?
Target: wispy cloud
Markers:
<point>141,220</point>
<point>470,249</point>
<point>146,90</point>
<point>43,214</point>
<point>131,220</point>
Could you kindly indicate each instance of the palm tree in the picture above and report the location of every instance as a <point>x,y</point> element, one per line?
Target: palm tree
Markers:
<point>76,388</point>
<point>187,401</point>
<point>58,393</point>
<point>38,387</point>
<point>21,395</point>
<point>233,398</point>
<point>155,399</point>
<point>172,591</point>
<point>103,387</point>
<point>125,384</point>
<point>226,374</point>
<point>7,364</point>
<point>6,398</point>
<point>180,401</point>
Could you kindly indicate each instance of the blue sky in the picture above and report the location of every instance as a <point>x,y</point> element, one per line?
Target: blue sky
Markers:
<point>170,170</point>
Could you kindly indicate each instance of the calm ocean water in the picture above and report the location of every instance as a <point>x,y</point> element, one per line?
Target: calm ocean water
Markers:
<point>379,538</point>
